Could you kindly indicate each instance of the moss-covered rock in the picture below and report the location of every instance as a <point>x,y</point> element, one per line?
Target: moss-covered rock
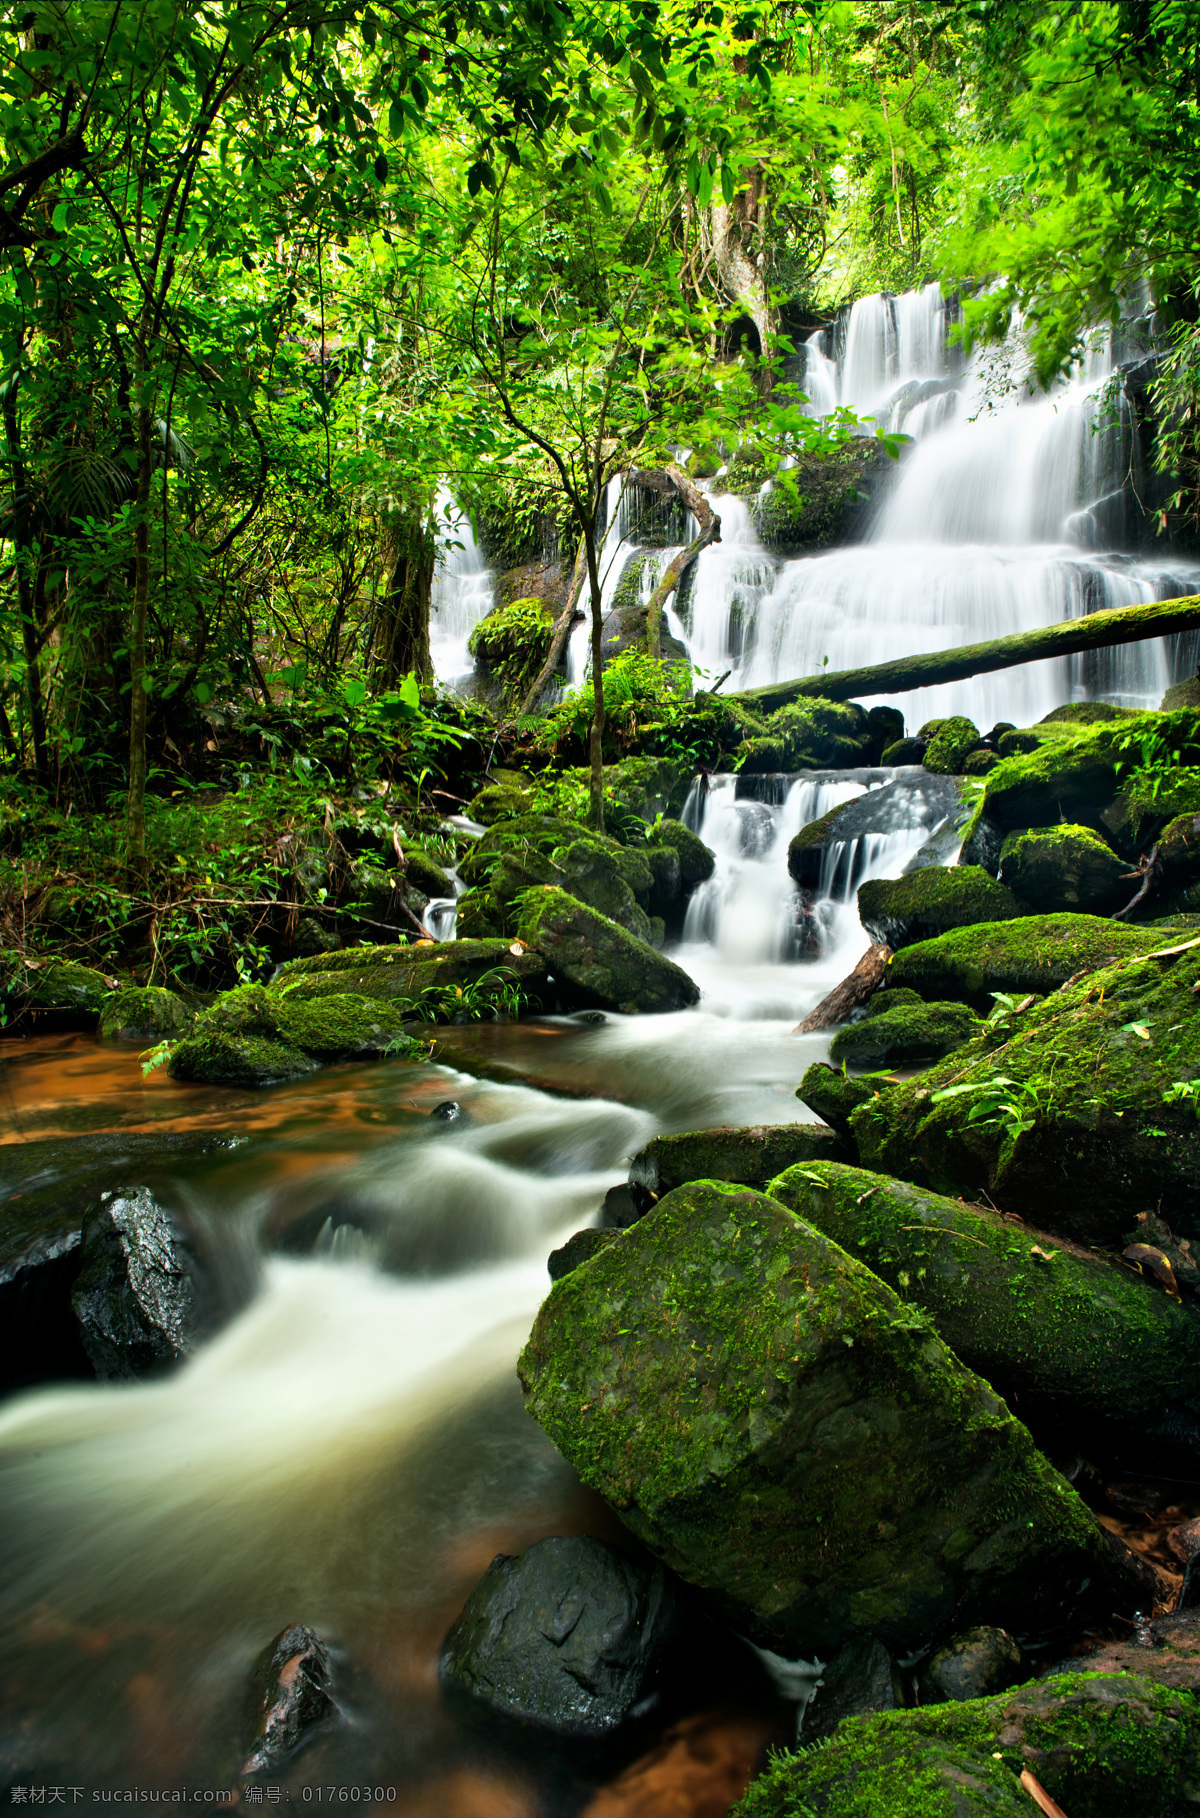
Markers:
<point>1072,1334</point>
<point>482,917</point>
<point>602,961</point>
<point>384,973</point>
<point>1063,868</point>
<point>822,500</point>
<point>534,850</point>
<point>980,761</point>
<point>1036,953</point>
<point>696,861</point>
<point>511,643</point>
<point>950,746</point>
<point>1182,694</point>
<point>1145,803</point>
<point>53,994</point>
<point>256,1037</point>
<point>751,1156</point>
<point>902,751</point>
<point>1088,713</point>
<point>425,874</point>
<point>1077,1115</point>
<point>1101,1745</point>
<point>648,786</point>
<point>144,1013</point>
<point>1074,773</point>
<point>505,794</point>
<point>905,1036</point>
<point>923,904</point>
<point>809,735</point>
<point>787,1434</point>
<point>834,1096</point>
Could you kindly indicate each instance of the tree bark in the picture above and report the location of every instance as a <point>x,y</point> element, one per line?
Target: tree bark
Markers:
<point>854,989</point>
<point>135,805</point>
<point>710,532</point>
<point>405,641</point>
<point>596,741</point>
<point>1098,631</point>
<point>562,629</point>
<point>30,638</point>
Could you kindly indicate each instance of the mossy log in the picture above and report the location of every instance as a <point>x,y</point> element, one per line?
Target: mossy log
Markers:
<point>1098,631</point>
<point>673,479</point>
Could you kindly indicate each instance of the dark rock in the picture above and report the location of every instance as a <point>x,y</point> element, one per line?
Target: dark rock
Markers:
<point>591,1019</point>
<point>1182,694</point>
<point>579,1249</point>
<point>835,1097</point>
<point>253,1036</point>
<point>862,1677</point>
<point>980,761</point>
<point>599,958</point>
<point>448,1112</point>
<point>568,1636</point>
<point>824,849</point>
<point>384,973</point>
<point>289,1698</point>
<point>44,995</point>
<point>982,845</point>
<point>973,1665</point>
<point>1065,868</point>
<point>144,1014</point>
<point>1165,1649</point>
<point>904,1036</point>
<point>1179,852</point>
<point>621,1208</point>
<point>426,874</point>
<point>808,735</point>
<point>39,1336</point>
<point>885,729</point>
<point>902,752</point>
<point>793,1439</point>
<point>1184,1542</point>
<point>948,749</point>
<point>134,1296</point>
<point>920,905</point>
<point>1037,953</point>
<point>696,862</point>
<point>751,1156</point>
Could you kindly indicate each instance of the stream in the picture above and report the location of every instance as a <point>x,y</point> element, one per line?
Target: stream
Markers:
<point>349,1449</point>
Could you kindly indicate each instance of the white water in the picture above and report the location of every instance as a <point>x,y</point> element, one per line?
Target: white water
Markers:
<point>462,592</point>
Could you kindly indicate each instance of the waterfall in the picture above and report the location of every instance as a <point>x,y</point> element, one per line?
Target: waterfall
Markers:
<point>462,592</point>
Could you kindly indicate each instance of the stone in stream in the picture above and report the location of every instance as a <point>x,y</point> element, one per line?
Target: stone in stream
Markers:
<point>1065,868</point>
<point>599,959</point>
<point>145,1013</point>
<point>922,904</point>
<point>253,1036</point>
<point>1037,953</point>
<point>971,1665</point>
<point>134,1296</point>
<point>789,1436</point>
<point>915,801</point>
<point>54,994</point>
<point>751,1156</point>
<point>861,1677</point>
<point>1077,1338</point>
<point>288,1699</point>
<point>577,1249</point>
<point>835,1096</point>
<point>1088,1096</point>
<point>900,1030</point>
<point>1102,1745</point>
<point>567,1636</point>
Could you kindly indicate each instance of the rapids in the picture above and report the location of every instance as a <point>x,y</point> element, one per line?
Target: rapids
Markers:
<point>348,1449</point>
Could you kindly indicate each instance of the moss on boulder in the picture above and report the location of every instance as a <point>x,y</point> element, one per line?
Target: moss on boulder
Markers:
<point>1182,694</point>
<point>1102,1746</point>
<point>751,1156</point>
<point>905,1035</point>
<point>1074,773</point>
<point>511,643</point>
<point>1035,953</point>
<point>1087,713</point>
<point>834,1096</point>
<point>384,973</point>
<point>604,963</point>
<point>809,735</point>
<point>923,904</point>
<point>648,786</point>
<point>788,1435</point>
<point>1072,1333</point>
<point>53,994</point>
<point>821,501</point>
<point>1065,868</point>
<point>952,743</point>
<point>1077,1115</point>
<point>696,861</point>
<point>425,874</point>
<point>256,1037</point>
<point>144,1013</point>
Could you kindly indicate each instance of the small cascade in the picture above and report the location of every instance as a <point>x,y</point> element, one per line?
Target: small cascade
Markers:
<point>462,592</point>
<point>731,581</point>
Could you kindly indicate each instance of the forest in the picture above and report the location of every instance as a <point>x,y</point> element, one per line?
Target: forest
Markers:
<point>634,564</point>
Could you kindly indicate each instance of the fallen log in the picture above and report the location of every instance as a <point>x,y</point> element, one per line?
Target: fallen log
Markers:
<point>1099,630</point>
<point>673,479</point>
<point>854,989</point>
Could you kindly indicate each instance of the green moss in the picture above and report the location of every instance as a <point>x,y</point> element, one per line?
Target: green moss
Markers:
<point>1064,868</point>
<point>426,874</point>
<point>834,1096</point>
<point>57,994</point>
<point>254,1037</point>
<point>808,735</point>
<point>1102,1746</point>
<point>599,958</point>
<point>1088,713</point>
<point>950,745</point>
<point>511,644</point>
<point>787,1434</point>
<point>923,904</point>
<point>902,751</point>
<point>904,1036</point>
<point>1035,953</point>
<point>696,862</point>
<point>1182,694</point>
<point>144,1013</point>
<point>384,973</point>
<point>1073,1329</point>
<point>1073,774</point>
<point>825,497</point>
<point>1088,1068</point>
<point>750,1156</point>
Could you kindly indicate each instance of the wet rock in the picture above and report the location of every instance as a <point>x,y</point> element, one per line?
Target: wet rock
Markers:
<point>134,1296</point>
<point>425,874</point>
<point>885,729</point>
<point>1184,1542</point>
<point>1065,868</point>
<point>1165,1649</point>
<point>809,735</point>
<point>56,994</point>
<point>982,845</point>
<point>621,1208</point>
<point>578,1249</point>
<point>903,752</point>
<point>862,1677</point>
<point>972,1665</point>
<point>789,1436</point>
<point>905,1035</point>
<point>752,1156</point>
<point>145,1013</point>
<point>448,1112</point>
<point>835,1097</point>
<point>533,850</point>
<point>1182,694</point>
<point>922,904</point>
<point>916,801</point>
<point>384,973</point>
<point>1101,1746</point>
<point>1096,1114</point>
<point>696,861</point>
<point>257,1037</point>
<point>1037,953</point>
<point>568,1636</point>
<point>600,959</point>
<point>289,1698</point>
<point>39,1260</point>
<point>948,749</point>
<point>1054,1328</point>
<point>1073,775</point>
<point>827,505</point>
<point>700,1768</point>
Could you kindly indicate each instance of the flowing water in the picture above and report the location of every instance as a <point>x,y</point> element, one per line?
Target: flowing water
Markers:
<point>348,1448</point>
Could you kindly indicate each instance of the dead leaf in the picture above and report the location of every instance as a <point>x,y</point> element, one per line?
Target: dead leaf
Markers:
<point>1025,1002</point>
<point>1043,1256</point>
<point>1154,1260</point>
<point>1040,1796</point>
<point>517,948</point>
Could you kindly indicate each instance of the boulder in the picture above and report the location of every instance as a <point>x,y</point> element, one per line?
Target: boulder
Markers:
<point>39,1260</point>
<point>919,801</point>
<point>903,1036</point>
<point>385,973</point>
<point>751,1156</point>
<point>902,752</point>
<point>982,843</point>
<point>1036,953</point>
<point>1100,1745</point>
<point>134,1296</point>
<point>972,1665</point>
<point>824,501</point>
<point>809,734</point>
<point>56,994</point>
<point>145,1013</point>
<point>510,644</point>
<point>885,729</point>
<point>1179,852</point>
<point>1086,1116</point>
<point>600,960</point>
<point>1182,694</point>
<point>696,861</point>
<point>1074,773</point>
<point>835,1096</point>
<point>1077,1338</point>
<point>256,1037</point>
<point>1087,713</point>
<point>568,1636</point>
<point>980,761</point>
<point>861,1677</point>
<point>1065,868</point>
<point>648,787</point>
<point>788,1435</point>
<point>288,1698</point>
<point>578,1249</point>
<point>425,874</point>
<point>1165,1649</point>
<point>922,904</point>
<point>947,751</point>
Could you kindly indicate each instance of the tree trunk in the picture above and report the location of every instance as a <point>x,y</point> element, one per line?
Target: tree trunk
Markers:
<point>562,629</point>
<point>710,532</point>
<point>596,742</point>
<point>1098,631</point>
<point>854,989</point>
<point>404,647</point>
<point>29,628</point>
<point>135,806</point>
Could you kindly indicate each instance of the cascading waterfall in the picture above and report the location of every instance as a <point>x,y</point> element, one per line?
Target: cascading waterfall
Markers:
<point>462,592</point>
